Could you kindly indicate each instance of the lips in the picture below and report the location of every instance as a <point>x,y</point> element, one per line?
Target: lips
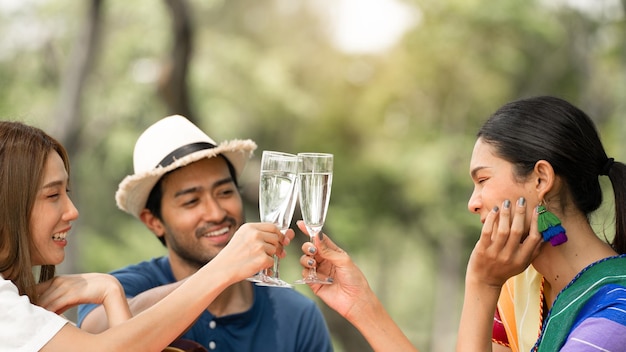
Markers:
<point>216,233</point>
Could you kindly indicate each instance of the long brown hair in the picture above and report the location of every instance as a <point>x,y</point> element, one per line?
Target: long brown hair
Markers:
<point>23,153</point>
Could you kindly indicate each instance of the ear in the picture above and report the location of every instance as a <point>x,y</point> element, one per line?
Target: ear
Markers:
<point>545,178</point>
<point>152,222</point>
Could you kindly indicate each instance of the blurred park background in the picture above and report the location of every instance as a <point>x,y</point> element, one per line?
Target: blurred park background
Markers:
<point>396,89</point>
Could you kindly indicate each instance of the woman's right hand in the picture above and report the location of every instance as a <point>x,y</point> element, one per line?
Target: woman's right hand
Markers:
<point>350,295</point>
<point>349,286</point>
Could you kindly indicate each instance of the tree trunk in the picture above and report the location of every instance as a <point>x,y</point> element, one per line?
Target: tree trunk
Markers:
<point>68,118</point>
<point>172,86</point>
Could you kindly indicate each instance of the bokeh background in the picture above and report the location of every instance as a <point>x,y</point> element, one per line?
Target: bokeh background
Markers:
<point>396,89</point>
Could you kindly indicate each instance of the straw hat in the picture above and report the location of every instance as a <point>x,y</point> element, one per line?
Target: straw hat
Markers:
<point>171,143</point>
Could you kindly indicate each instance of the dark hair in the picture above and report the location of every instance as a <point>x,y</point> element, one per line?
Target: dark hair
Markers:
<point>548,128</point>
<point>23,154</point>
<point>153,204</point>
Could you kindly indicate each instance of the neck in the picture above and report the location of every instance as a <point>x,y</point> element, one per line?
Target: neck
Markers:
<point>559,265</point>
<point>237,298</point>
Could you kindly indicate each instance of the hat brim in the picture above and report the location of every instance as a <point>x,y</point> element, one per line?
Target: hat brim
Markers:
<point>132,193</point>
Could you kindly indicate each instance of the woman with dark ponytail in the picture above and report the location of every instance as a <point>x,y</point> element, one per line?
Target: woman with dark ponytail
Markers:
<point>558,286</point>
<point>539,278</point>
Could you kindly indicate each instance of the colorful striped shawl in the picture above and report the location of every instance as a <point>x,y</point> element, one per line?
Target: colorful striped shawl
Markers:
<point>520,309</point>
<point>571,300</point>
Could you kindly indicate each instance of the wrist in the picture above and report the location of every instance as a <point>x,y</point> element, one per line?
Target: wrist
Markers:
<point>366,308</point>
<point>482,295</point>
<point>115,304</point>
<point>483,286</point>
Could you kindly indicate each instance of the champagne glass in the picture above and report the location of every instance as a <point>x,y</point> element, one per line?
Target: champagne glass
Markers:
<point>315,177</point>
<point>277,200</point>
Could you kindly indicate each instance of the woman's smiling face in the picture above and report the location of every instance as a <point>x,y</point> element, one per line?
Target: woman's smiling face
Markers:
<point>53,212</point>
<point>494,182</point>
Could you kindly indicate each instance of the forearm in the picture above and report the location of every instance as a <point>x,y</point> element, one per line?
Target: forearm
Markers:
<point>99,319</point>
<point>374,323</point>
<point>476,326</point>
<point>154,328</point>
<point>181,307</point>
<point>150,297</point>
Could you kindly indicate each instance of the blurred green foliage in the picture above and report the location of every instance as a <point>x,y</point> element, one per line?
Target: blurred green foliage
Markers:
<point>401,122</point>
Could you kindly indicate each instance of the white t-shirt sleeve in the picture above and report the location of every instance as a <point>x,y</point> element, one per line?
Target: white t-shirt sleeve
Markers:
<point>24,327</point>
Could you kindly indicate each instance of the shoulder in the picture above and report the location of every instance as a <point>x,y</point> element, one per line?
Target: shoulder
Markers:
<point>608,302</point>
<point>7,287</point>
<point>154,264</point>
<point>135,279</point>
<point>604,315</point>
<point>145,275</point>
<point>611,294</point>
<point>155,267</point>
<point>25,326</point>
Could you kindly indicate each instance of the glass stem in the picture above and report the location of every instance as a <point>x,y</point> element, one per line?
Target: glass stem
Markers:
<point>313,270</point>
<point>275,268</point>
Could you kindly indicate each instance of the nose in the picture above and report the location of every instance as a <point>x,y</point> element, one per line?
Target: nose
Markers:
<point>71,213</point>
<point>213,210</point>
<point>474,204</point>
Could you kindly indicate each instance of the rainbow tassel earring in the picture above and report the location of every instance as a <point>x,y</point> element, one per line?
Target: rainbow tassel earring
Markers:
<point>550,227</point>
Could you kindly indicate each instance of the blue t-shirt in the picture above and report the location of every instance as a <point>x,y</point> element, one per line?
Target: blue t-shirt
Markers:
<point>280,319</point>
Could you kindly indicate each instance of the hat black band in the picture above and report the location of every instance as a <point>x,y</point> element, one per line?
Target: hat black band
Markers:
<point>183,151</point>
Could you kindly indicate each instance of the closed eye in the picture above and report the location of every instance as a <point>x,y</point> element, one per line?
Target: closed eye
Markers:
<point>226,192</point>
<point>57,195</point>
<point>191,202</point>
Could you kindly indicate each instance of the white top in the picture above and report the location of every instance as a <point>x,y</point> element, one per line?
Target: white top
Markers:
<point>24,327</point>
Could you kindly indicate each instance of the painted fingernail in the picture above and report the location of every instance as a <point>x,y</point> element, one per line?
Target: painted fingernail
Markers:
<point>330,279</point>
<point>507,204</point>
<point>521,201</point>
<point>312,250</point>
<point>495,209</point>
<point>310,262</point>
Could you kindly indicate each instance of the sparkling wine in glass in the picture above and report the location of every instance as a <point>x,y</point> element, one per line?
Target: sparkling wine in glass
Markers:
<point>277,198</point>
<point>315,178</point>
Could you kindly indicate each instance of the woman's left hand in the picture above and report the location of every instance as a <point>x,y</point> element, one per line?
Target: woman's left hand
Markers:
<point>505,247</point>
<point>66,291</point>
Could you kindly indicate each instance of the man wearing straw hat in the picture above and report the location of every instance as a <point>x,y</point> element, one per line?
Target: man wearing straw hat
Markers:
<point>185,191</point>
